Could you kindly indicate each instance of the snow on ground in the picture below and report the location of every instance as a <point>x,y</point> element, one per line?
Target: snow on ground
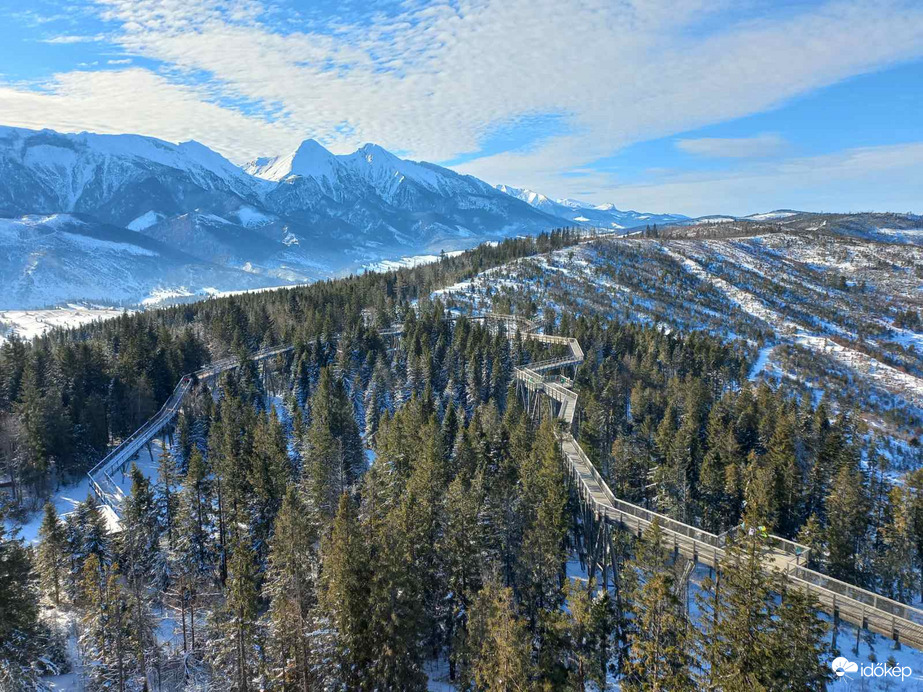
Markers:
<point>163,295</point>
<point>889,377</point>
<point>437,673</point>
<point>407,262</point>
<point>146,220</point>
<point>746,301</point>
<point>66,497</point>
<point>770,215</point>
<point>28,324</point>
<point>761,360</point>
<point>250,217</point>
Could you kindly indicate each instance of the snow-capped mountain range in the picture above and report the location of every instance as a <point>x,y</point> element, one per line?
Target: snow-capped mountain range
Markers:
<point>601,215</point>
<point>77,211</point>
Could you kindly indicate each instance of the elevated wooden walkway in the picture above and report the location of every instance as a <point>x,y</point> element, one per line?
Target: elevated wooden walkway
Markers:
<point>602,511</point>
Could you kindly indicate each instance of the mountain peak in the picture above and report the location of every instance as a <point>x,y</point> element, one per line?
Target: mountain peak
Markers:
<point>309,160</point>
<point>375,153</point>
<point>312,159</point>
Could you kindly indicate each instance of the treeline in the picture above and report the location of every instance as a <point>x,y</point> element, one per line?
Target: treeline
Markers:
<point>292,563</point>
<point>69,394</point>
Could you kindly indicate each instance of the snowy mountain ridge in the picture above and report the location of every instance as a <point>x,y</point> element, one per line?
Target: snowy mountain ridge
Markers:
<point>296,218</point>
<point>584,213</point>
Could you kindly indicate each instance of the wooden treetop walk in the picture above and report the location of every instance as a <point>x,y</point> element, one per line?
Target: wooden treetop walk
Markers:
<point>858,606</point>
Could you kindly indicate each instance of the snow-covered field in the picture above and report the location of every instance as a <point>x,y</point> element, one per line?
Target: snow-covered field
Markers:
<point>407,262</point>
<point>28,324</point>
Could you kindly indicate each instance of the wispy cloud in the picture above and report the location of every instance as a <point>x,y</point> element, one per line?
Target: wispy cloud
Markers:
<point>733,147</point>
<point>72,38</point>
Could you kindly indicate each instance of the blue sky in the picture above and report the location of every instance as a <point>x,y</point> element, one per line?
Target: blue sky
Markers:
<point>691,106</point>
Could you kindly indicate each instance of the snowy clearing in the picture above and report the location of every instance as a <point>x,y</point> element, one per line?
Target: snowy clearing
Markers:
<point>28,324</point>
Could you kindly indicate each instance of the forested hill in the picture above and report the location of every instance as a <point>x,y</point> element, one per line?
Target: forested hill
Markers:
<point>265,548</point>
<point>67,395</point>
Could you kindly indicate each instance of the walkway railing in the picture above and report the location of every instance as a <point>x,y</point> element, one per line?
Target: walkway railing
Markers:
<point>849,602</point>
<point>859,606</point>
<point>101,482</point>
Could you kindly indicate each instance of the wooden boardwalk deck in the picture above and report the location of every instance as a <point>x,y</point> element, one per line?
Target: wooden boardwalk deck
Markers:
<point>902,623</point>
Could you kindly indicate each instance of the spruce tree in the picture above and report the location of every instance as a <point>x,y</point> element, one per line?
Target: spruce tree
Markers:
<point>19,608</point>
<point>344,595</point>
<point>498,657</point>
<point>52,554</point>
<point>660,652</point>
<point>232,646</point>
<point>290,587</point>
<point>194,553</point>
<point>167,483</point>
<point>757,632</point>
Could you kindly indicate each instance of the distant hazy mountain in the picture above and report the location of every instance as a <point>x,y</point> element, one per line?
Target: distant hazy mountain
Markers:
<point>293,218</point>
<point>51,259</point>
<point>582,213</point>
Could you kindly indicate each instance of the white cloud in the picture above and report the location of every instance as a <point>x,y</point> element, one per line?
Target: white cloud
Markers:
<point>138,101</point>
<point>860,179</point>
<point>434,80</point>
<point>121,61</point>
<point>72,38</point>
<point>733,147</point>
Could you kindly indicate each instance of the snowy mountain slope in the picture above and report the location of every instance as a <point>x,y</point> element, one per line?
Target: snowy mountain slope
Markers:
<point>45,260</point>
<point>823,313</point>
<point>603,215</point>
<point>295,218</point>
<point>116,178</point>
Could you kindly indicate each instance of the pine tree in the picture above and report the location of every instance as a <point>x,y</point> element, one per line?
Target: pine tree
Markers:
<point>166,492</point>
<point>737,621</point>
<point>333,456</point>
<point>847,525</point>
<point>461,548</point>
<point>659,648</point>
<point>344,595</point>
<point>799,643</point>
<point>291,589</point>
<point>194,554</point>
<point>19,625</point>
<point>139,548</point>
<point>52,554</point>
<point>498,650</point>
<point>915,510</point>
<point>232,645</point>
<point>542,558</point>
<point>748,639</point>
<point>588,630</point>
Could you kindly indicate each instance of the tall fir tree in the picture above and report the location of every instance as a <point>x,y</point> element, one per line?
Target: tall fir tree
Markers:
<point>498,649</point>
<point>660,648</point>
<point>291,588</point>
<point>52,558</point>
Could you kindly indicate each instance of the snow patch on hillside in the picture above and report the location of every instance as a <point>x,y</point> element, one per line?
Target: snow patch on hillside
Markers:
<point>407,262</point>
<point>28,324</point>
<point>146,220</point>
<point>252,218</point>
